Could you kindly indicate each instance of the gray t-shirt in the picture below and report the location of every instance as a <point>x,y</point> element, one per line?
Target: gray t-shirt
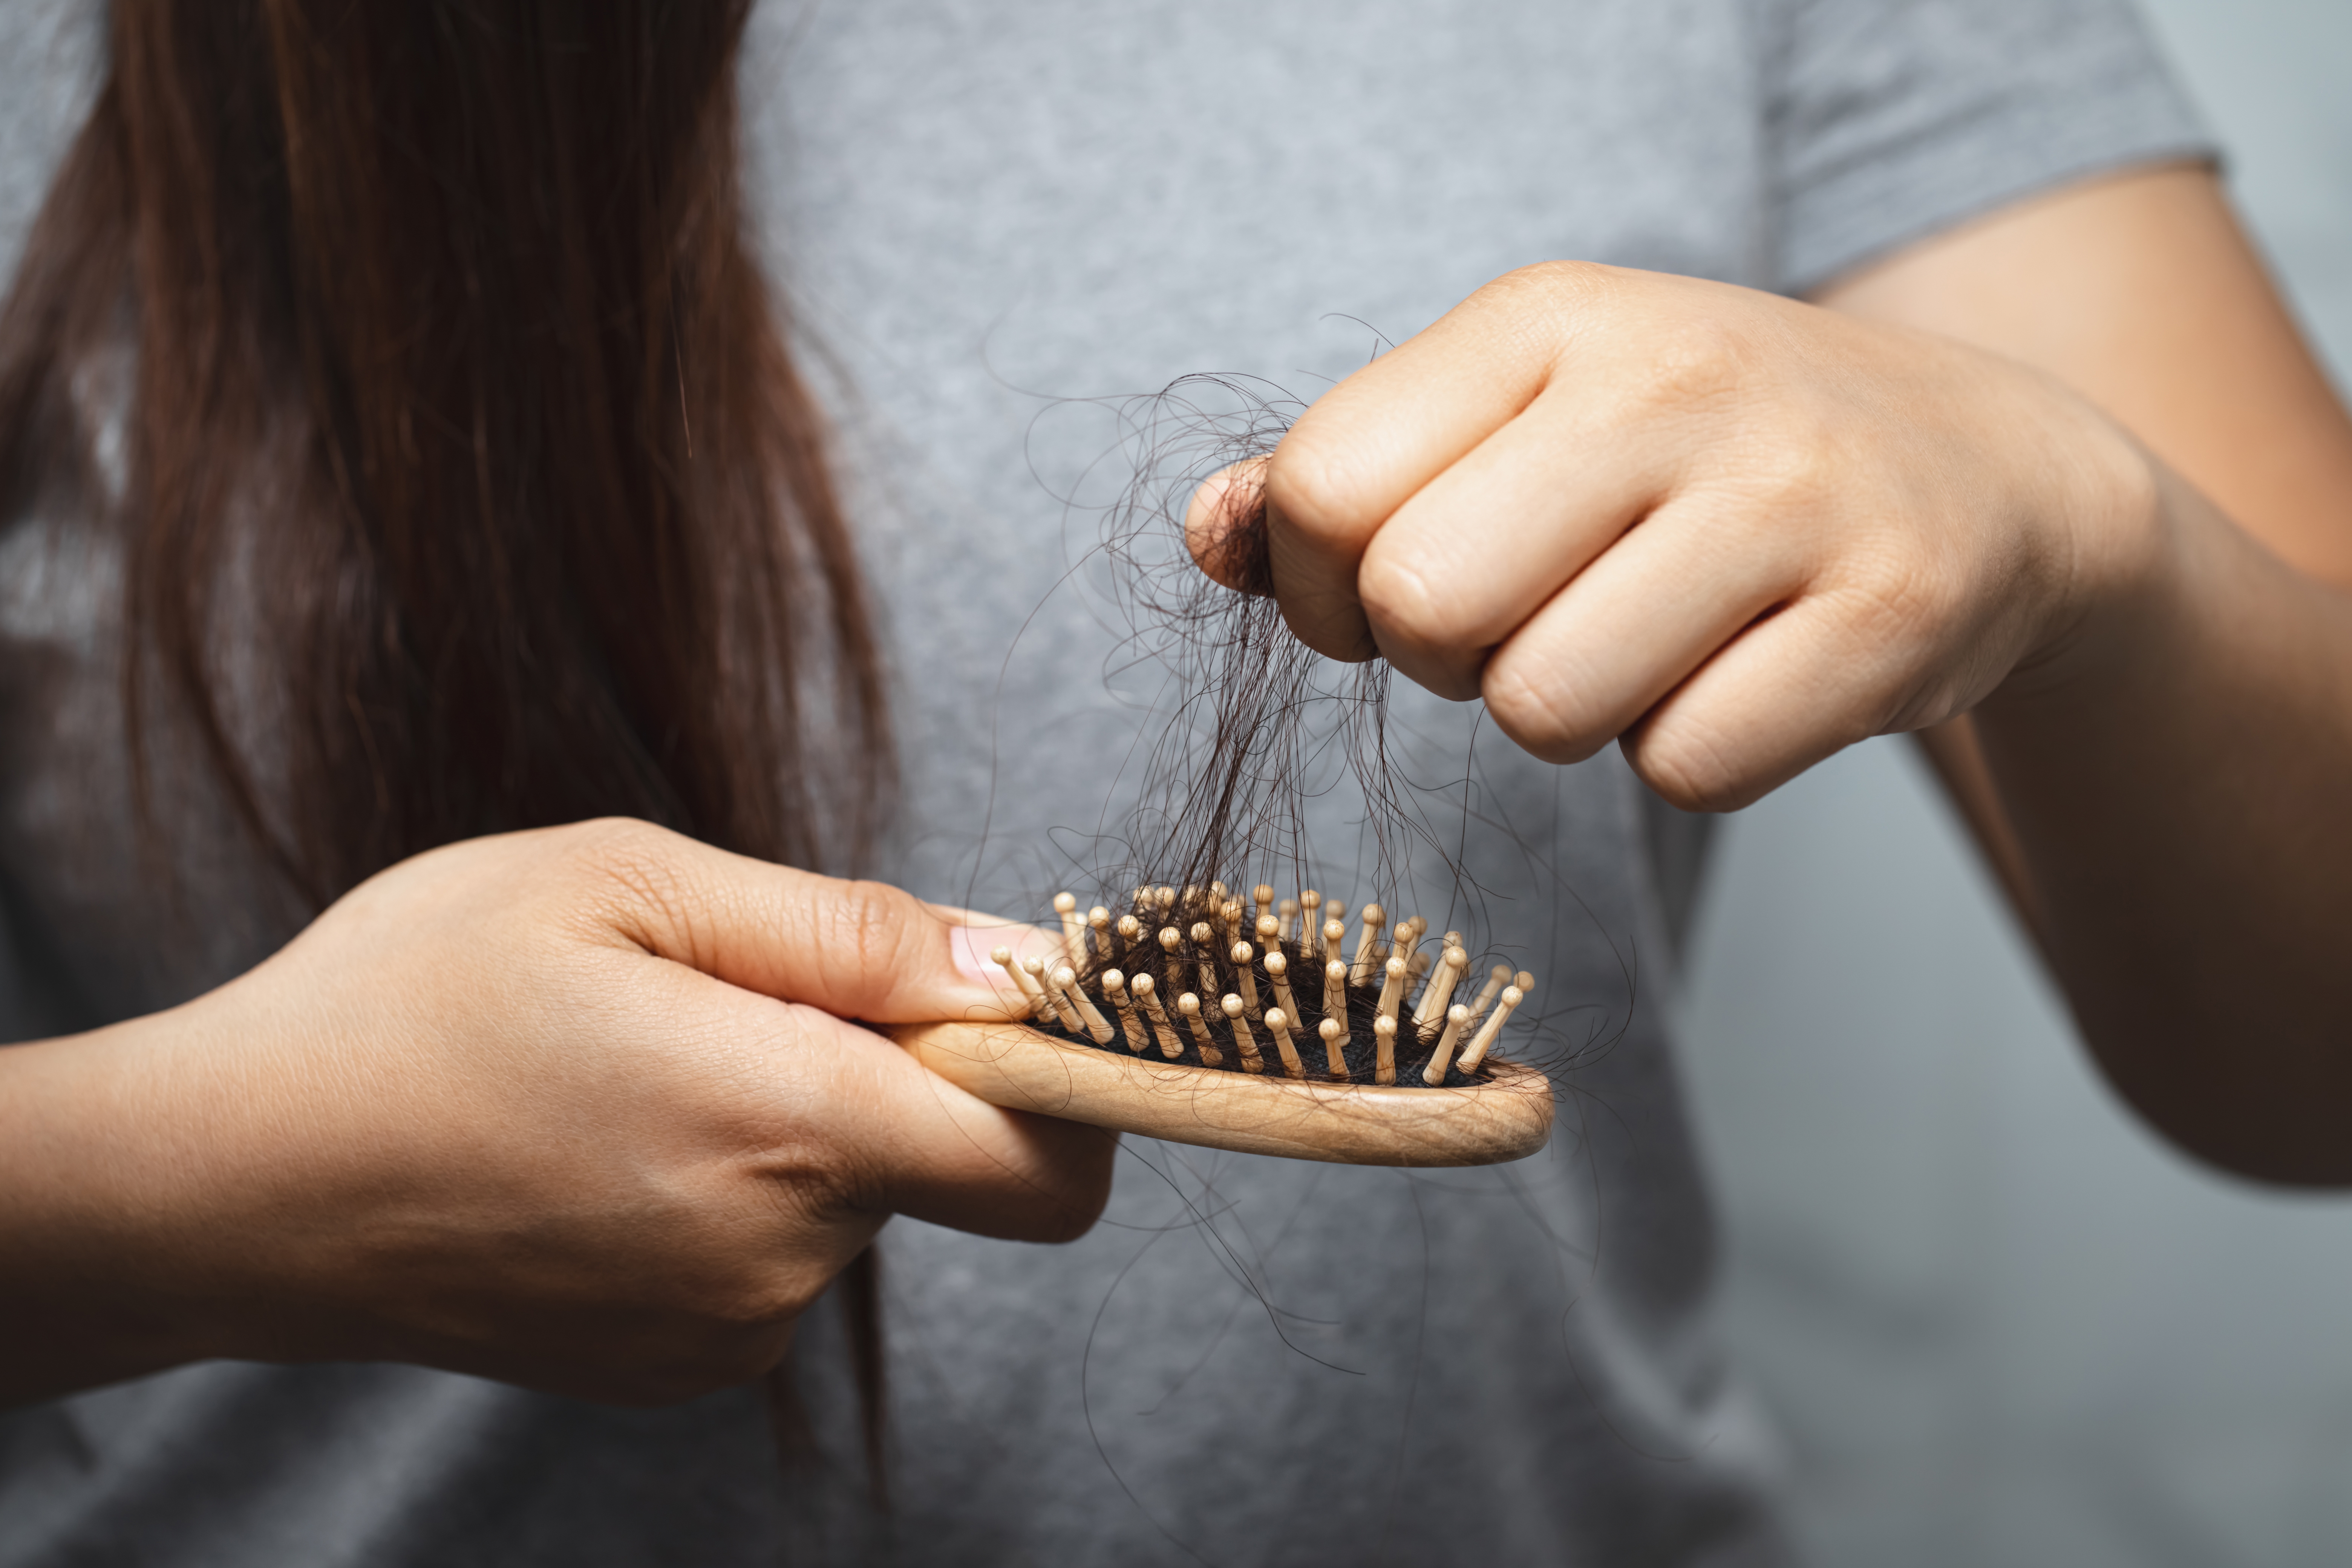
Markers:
<point>990,216</point>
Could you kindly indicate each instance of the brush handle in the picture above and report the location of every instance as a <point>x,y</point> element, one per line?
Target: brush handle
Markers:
<point>1507,1118</point>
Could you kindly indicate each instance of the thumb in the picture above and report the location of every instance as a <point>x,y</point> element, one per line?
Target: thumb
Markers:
<point>857,950</point>
<point>1225,527</point>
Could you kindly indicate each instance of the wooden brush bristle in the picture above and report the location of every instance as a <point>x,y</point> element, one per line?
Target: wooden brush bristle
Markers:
<point>1353,1002</point>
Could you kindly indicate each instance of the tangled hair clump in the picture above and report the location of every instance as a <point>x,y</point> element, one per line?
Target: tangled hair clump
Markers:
<point>1263,724</point>
<point>1250,736</point>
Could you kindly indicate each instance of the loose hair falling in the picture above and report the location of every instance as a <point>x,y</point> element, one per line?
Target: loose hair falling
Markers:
<point>458,406</point>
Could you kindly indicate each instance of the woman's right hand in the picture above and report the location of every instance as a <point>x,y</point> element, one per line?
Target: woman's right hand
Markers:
<point>575,1109</point>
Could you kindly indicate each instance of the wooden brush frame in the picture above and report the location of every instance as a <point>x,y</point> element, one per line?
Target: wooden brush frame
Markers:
<point>1505,1116</point>
<point>1422,1088</point>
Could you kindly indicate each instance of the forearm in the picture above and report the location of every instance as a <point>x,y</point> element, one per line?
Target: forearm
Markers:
<point>2177,778</point>
<point>90,1292</point>
<point>502,1110</point>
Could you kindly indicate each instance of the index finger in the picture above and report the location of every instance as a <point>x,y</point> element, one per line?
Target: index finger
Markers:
<point>1370,444</point>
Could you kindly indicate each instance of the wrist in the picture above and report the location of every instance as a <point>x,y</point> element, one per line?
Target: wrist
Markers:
<point>119,1253</point>
<point>85,1298</point>
<point>2117,511</point>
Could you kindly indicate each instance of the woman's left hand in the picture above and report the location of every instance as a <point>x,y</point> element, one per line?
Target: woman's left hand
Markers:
<point>1735,531</point>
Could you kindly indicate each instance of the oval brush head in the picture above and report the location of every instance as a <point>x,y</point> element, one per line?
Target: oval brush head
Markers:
<point>1286,1045</point>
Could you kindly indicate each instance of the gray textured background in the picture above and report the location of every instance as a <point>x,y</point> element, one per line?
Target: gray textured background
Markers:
<point>1999,1322</point>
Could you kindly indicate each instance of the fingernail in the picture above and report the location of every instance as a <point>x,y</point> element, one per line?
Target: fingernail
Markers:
<point>970,947</point>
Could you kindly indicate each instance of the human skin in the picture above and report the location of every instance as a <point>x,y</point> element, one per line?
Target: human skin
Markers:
<point>2062,491</point>
<point>575,1109</point>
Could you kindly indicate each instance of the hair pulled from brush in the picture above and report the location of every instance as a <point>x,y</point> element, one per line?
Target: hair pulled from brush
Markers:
<point>1248,732</point>
<point>1262,724</point>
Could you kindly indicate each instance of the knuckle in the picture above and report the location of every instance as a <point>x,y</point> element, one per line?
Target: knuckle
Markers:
<point>1551,284</point>
<point>1689,765</point>
<point>873,932</point>
<point>1538,711</point>
<point>1312,481</point>
<point>624,876</point>
<point>1697,368</point>
<point>1401,600</point>
<point>632,859</point>
<point>811,1191</point>
<point>614,836</point>
<point>1889,596</point>
<point>1547,305</point>
<point>815,1180</point>
<point>1797,473</point>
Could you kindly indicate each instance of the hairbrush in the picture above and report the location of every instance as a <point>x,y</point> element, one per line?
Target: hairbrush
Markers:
<point>1260,1026</point>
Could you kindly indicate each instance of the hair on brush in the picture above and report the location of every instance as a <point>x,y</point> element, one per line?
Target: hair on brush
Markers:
<point>1180,1006</point>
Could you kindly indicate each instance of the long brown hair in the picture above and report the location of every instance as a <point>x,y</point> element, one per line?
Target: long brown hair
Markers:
<point>460,407</point>
<point>458,384</point>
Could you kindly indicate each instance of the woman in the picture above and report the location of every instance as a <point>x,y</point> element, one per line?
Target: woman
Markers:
<point>528,1106</point>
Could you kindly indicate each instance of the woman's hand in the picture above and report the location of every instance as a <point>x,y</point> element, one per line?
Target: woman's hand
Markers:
<point>1737,534</point>
<point>1736,531</point>
<point>575,1109</point>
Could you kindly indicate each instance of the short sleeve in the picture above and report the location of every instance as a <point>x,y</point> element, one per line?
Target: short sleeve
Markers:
<point>1889,120</point>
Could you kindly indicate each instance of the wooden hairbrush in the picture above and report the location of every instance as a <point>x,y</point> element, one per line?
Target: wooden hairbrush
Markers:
<point>1185,1018</point>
